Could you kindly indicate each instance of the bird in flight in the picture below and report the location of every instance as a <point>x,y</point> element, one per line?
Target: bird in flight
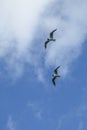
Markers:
<point>50,38</point>
<point>55,75</point>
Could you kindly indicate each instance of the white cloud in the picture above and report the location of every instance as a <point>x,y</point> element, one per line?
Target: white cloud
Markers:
<point>11,124</point>
<point>20,20</point>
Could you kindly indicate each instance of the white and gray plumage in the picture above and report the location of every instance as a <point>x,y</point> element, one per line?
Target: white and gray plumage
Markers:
<point>55,75</point>
<point>50,38</point>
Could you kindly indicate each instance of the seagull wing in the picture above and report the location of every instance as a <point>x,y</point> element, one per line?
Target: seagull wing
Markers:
<point>51,34</point>
<point>56,70</point>
<point>46,43</point>
<point>53,80</point>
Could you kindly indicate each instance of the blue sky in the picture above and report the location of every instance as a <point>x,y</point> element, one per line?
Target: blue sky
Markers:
<point>28,99</point>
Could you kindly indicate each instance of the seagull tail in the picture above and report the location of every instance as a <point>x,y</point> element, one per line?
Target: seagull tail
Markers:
<point>58,76</point>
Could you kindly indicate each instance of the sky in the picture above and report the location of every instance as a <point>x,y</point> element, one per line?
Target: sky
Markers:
<point>28,99</point>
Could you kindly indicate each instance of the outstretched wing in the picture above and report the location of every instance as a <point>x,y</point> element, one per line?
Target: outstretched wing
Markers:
<point>53,80</point>
<point>51,34</point>
<point>55,71</point>
<point>45,44</point>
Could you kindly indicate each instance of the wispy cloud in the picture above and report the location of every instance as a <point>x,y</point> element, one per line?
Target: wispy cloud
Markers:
<point>21,20</point>
<point>40,75</point>
<point>75,116</point>
<point>36,109</point>
<point>81,126</point>
<point>11,124</point>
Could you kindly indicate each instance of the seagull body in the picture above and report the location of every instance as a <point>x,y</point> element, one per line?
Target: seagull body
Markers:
<point>50,38</point>
<point>54,78</point>
<point>55,75</point>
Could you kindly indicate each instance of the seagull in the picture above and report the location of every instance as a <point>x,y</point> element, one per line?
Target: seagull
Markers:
<point>50,38</point>
<point>55,75</point>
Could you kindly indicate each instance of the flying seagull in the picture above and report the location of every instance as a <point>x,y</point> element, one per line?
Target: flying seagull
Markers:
<point>55,75</point>
<point>50,38</point>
